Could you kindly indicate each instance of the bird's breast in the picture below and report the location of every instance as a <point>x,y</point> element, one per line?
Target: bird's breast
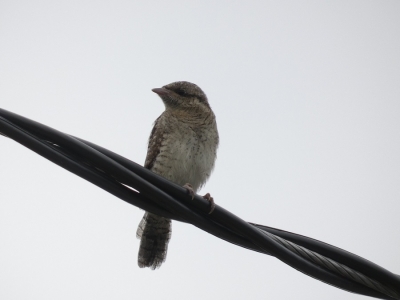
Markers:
<point>187,154</point>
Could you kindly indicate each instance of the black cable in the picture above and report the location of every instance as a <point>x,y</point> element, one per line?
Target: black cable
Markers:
<point>114,173</point>
<point>335,253</point>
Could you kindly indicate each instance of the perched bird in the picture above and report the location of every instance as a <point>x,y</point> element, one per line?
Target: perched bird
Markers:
<point>182,148</point>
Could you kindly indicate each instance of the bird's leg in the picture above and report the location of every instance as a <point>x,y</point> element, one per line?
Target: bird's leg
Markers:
<point>211,200</point>
<point>207,196</point>
<point>189,188</point>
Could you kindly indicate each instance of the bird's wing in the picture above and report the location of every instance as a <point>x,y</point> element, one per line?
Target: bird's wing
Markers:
<point>153,148</point>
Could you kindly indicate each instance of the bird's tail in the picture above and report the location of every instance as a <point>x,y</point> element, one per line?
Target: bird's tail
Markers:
<point>154,232</point>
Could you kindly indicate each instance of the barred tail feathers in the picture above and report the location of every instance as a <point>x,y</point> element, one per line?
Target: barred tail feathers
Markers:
<point>155,233</point>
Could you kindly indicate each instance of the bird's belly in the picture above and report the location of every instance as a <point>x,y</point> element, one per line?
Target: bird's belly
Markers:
<point>186,161</point>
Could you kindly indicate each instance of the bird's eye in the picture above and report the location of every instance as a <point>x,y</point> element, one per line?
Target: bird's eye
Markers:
<point>180,92</point>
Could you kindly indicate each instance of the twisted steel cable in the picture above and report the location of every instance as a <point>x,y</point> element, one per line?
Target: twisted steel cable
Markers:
<point>336,267</point>
<point>118,176</point>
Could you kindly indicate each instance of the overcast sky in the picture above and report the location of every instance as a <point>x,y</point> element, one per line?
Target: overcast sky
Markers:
<point>307,99</point>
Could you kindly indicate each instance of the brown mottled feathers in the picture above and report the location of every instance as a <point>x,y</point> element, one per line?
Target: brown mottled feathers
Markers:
<point>182,148</point>
<point>153,148</point>
<point>154,231</point>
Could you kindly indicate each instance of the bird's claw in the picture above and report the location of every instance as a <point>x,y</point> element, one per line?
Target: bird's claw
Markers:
<point>211,200</point>
<point>207,196</point>
<point>189,188</point>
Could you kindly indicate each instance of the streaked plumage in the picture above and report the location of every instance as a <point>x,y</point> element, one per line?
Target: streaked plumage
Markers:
<point>182,148</point>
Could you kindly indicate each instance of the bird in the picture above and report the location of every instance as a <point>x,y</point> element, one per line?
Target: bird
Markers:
<point>182,147</point>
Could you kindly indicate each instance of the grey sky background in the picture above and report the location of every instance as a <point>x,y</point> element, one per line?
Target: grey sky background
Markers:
<point>307,99</point>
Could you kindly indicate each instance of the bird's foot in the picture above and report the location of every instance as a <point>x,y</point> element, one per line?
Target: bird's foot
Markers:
<point>189,188</point>
<point>207,196</point>
<point>211,200</point>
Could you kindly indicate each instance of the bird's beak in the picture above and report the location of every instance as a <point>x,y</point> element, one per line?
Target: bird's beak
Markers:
<point>161,91</point>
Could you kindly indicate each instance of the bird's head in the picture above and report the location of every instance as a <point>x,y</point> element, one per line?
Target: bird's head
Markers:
<point>182,94</point>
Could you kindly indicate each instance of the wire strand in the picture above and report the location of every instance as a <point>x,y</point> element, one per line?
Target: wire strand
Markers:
<point>121,177</point>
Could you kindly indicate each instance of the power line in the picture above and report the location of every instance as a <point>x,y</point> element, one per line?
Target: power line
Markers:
<point>140,187</point>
